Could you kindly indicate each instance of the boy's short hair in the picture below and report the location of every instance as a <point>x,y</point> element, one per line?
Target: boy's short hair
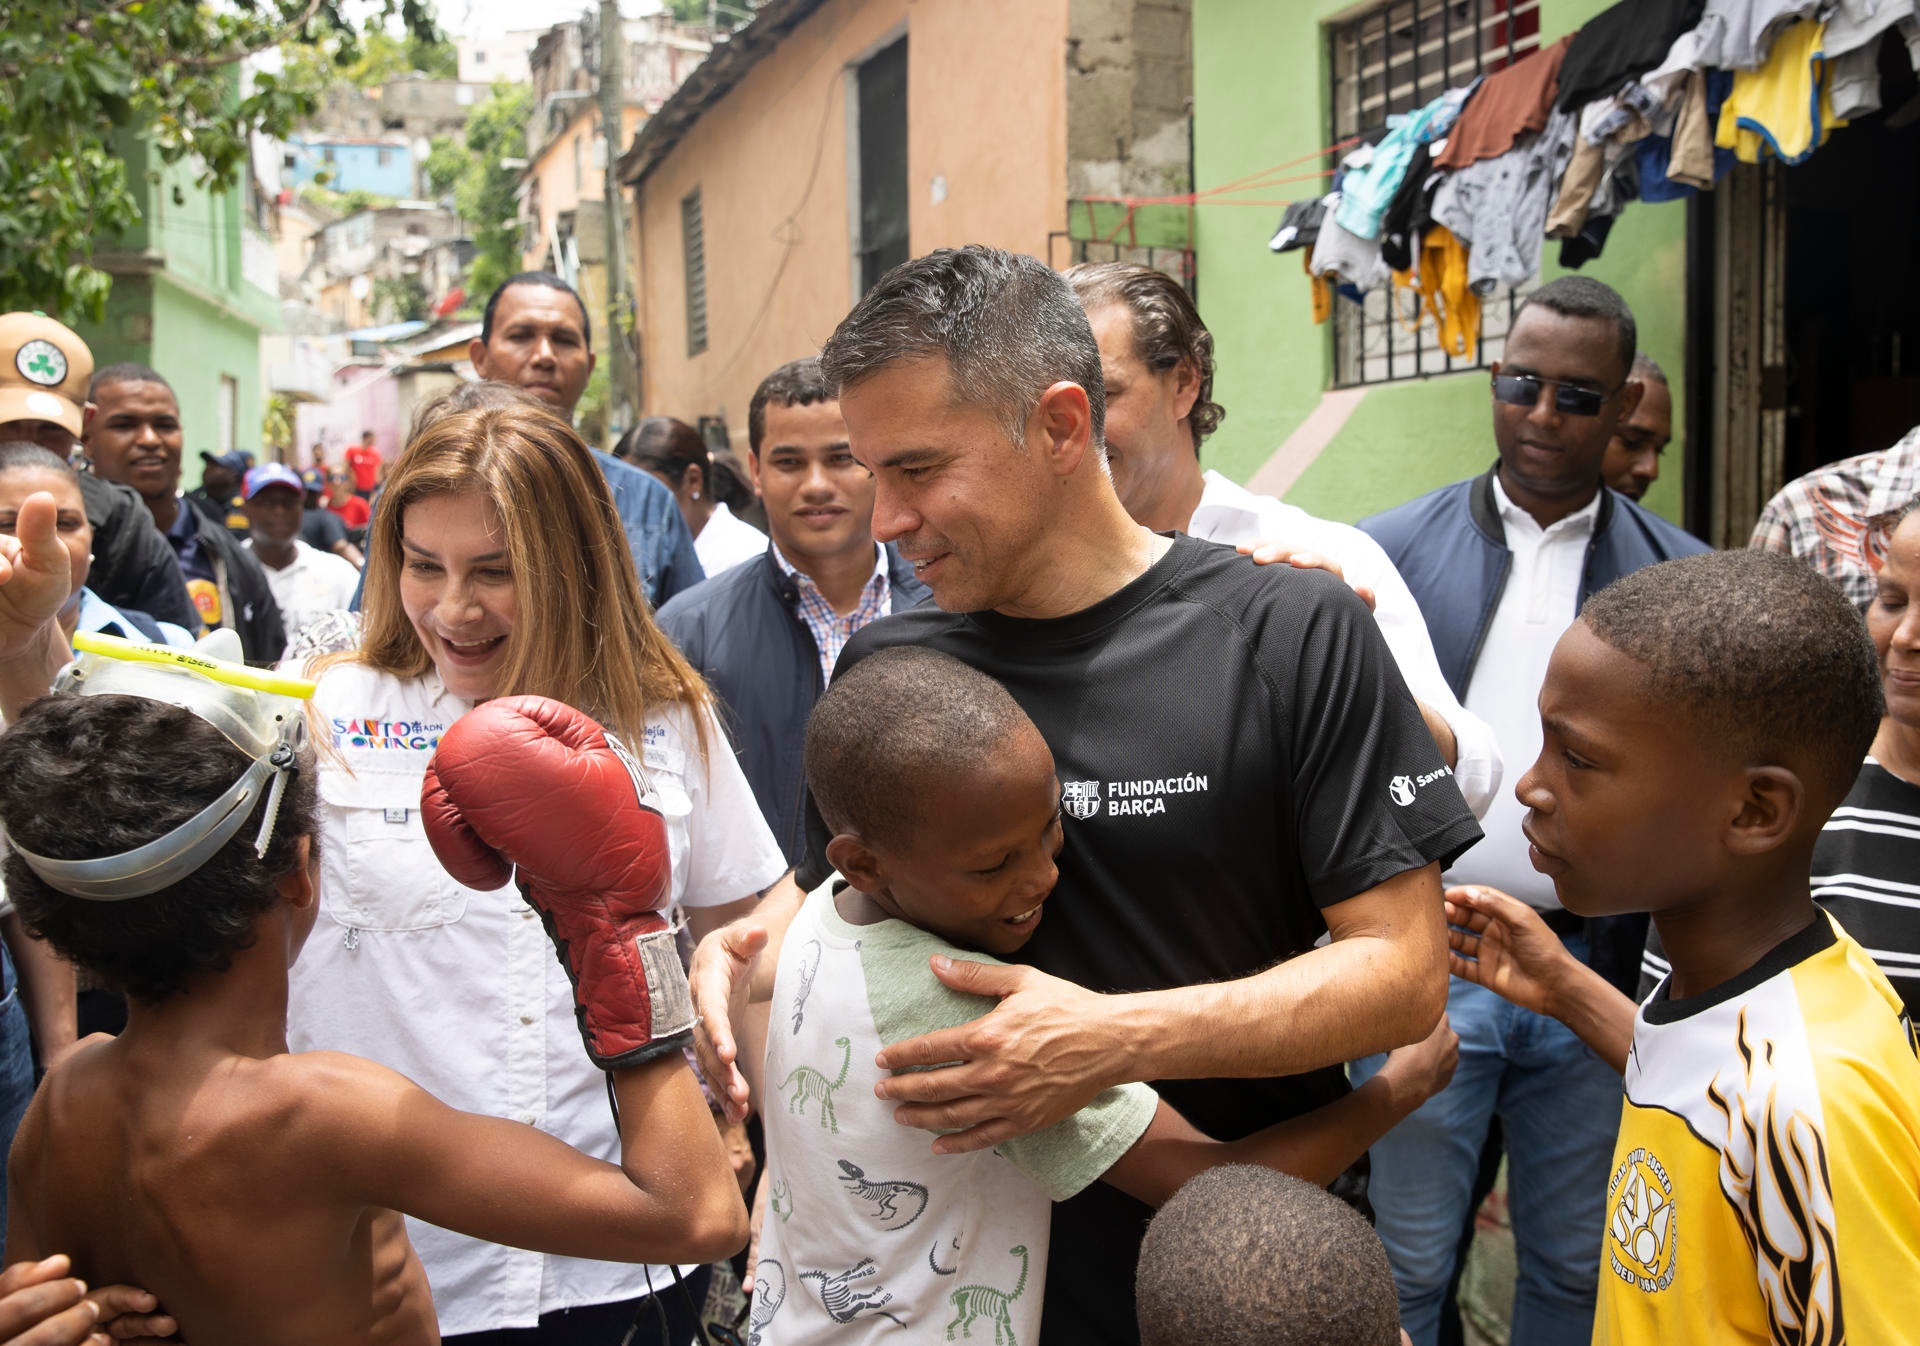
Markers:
<point>82,776</point>
<point>1247,1256</point>
<point>1766,657</point>
<point>893,724</point>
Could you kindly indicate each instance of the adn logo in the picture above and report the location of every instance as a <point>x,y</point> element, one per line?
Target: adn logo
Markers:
<point>1401,790</point>
<point>1080,798</point>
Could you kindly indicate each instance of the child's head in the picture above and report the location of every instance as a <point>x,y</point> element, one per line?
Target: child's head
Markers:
<point>1702,719</point>
<point>1247,1256</point>
<point>940,794</point>
<point>84,776</point>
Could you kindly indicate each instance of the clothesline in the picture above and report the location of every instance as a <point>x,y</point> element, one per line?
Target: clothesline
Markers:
<point>1247,183</point>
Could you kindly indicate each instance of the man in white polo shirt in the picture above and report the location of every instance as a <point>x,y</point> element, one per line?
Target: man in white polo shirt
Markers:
<point>307,583</point>
<point>1157,359</point>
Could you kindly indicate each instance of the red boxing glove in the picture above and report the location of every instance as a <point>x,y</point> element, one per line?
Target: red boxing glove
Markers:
<point>528,784</point>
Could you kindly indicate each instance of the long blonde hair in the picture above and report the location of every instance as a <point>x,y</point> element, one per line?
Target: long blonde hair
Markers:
<point>582,633</point>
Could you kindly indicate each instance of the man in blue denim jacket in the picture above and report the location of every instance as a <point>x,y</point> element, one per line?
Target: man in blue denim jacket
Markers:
<point>536,335</point>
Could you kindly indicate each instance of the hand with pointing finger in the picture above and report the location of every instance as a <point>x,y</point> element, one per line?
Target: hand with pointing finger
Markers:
<point>36,576</point>
<point>1037,1058</point>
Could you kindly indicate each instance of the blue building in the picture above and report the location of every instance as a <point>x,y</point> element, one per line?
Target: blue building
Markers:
<point>382,165</point>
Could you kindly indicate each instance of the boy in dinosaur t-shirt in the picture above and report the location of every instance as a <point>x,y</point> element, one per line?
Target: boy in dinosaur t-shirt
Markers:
<point>942,797</point>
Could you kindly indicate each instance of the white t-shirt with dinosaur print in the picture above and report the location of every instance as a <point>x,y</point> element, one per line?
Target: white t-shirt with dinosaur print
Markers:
<point>868,1231</point>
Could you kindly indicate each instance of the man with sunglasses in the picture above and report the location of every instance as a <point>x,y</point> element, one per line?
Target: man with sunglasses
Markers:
<point>1500,565</point>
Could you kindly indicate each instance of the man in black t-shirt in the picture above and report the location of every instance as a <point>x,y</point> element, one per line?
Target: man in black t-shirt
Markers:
<point>1242,767</point>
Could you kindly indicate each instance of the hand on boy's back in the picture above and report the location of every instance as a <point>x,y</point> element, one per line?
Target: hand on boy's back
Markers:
<point>1035,1059</point>
<point>36,574</point>
<point>528,788</point>
<point>40,1305</point>
<point>1271,552</point>
<point>1499,942</point>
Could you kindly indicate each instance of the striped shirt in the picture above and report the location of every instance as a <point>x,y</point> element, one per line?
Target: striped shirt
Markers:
<point>831,631</point>
<point>1866,871</point>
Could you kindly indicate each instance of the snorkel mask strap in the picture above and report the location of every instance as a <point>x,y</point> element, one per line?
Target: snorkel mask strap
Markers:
<point>169,858</point>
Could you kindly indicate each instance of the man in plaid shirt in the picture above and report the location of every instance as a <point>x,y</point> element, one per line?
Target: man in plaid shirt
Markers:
<point>1827,517</point>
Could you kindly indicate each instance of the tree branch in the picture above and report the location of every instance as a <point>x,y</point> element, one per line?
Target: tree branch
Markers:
<point>228,58</point>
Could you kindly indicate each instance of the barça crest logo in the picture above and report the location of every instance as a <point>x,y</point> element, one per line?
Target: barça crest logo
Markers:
<point>1080,798</point>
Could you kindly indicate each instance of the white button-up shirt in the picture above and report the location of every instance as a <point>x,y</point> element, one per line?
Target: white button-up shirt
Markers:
<point>460,990</point>
<point>1539,603</point>
<point>1234,515</point>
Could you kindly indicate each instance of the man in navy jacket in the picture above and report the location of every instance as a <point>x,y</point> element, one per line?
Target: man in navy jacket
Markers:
<point>1500,565</point>
<point>767,632</point>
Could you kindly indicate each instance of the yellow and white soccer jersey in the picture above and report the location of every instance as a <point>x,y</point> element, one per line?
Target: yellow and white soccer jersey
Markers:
<point>1766,1183</point>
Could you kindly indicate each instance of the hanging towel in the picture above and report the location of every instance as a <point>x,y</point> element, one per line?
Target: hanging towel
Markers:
<point>1507,105</point>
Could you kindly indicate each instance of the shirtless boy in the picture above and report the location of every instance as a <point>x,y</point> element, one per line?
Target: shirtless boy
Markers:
<point>260,1194</point>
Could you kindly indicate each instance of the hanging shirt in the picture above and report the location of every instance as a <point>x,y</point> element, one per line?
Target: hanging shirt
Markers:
<point>1299,227</point>
<point>1498,207</point>
<point>726,541</point>
<point>1785,107</point>
<point>1538,604</point>
<point>1766,1182</point>
<point>1366,192</point>
<point>1620,42</point>
<point>459,989</point>
<point>1507,105</point>
<point>1739,34</point>
<point>1341,252</point>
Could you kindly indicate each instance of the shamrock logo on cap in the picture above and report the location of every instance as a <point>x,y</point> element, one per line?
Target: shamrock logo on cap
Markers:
<point>42,362</point>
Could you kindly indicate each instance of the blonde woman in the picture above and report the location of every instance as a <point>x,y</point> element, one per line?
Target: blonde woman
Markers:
<point>496,565</point>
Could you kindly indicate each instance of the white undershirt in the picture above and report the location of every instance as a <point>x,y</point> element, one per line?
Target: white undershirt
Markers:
<point>1539,603</point>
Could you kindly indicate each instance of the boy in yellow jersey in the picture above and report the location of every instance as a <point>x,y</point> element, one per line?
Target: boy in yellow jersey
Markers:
<point>1702,719</point>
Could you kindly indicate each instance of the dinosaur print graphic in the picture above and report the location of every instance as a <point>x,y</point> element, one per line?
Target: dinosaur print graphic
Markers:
<point>769,1293</point>
<point>842,1302</point>
<point>933,1259</point>
<point>809,1084</point>
<point>782,1200</point>
<point>984,1301</point>
<point>809,965</point>
<point>890,1199</point>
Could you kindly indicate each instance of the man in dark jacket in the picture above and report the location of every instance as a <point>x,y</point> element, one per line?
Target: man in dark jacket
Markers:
<point>766,633</point>
<point>134,437</point>
<point>1500,565</point>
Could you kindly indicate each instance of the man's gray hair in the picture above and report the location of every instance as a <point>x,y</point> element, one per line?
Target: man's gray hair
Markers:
<point>1007,325</point>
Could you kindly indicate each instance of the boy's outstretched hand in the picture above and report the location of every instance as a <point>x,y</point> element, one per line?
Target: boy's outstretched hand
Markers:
<point>1499,942</point>
<point>36,575</point>
<point>40,1305</point>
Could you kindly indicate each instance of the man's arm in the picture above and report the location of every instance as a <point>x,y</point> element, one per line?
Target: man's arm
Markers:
<point>732,967</point>
<point>1049,1046</point>
<point>47,990</point>
<point>1318,1146</point>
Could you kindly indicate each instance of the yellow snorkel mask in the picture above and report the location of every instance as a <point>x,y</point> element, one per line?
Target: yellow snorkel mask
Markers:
<point>260,713</point>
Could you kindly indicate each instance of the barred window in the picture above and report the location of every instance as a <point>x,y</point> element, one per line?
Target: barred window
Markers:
<point>1398,57</point>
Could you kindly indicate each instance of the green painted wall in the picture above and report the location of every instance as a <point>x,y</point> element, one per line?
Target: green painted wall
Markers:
<point>1261,97</point>
<point>196,318</point>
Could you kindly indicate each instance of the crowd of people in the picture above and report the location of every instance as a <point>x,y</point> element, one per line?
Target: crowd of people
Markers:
<point>1005,878</point>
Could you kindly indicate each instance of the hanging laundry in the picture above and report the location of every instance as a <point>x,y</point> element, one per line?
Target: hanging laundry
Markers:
<point>1355,260</point>
<point>1739,34</point>
<point>1852,47</point>
<point>1620,43</point>
<point>1410,212</point>
<point>1676,166</point>
<point>1620,185</point>
<point>1783,108</point>
<point>1320,292</point>
<point>1498,207</point>
<point>1443,284</point>
<point>1300,226</point>
<point>1366,191</point>
<point>1512,103</point>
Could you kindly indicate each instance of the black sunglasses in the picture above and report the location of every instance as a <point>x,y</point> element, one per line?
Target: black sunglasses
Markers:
<point>1523,390</point>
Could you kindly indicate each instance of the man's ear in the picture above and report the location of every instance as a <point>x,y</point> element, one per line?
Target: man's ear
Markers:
<point>1064,418</point>
<point>1770,813</point>
<point>857,863</point>
<point>753,472</point>
<point>1186,389</point>
<point>477,353</point>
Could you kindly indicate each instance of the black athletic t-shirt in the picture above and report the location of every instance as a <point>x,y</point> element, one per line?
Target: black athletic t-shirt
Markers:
<point>1237,750</point>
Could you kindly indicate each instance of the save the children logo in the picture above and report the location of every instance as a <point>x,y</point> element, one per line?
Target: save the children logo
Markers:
<point>1641,1232</point>
<point>1401,790</point>
<point>1080,798</point>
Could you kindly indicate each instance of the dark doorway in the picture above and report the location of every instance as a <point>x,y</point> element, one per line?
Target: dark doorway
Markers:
<point>1853,282</point>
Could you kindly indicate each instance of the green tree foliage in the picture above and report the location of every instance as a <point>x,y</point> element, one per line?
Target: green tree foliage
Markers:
<point>484,185</point>
<point>74,73</point>
<point>401,299</point>
<point>372,58</point>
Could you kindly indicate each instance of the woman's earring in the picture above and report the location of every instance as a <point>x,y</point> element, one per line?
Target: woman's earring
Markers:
<point>696,495</point>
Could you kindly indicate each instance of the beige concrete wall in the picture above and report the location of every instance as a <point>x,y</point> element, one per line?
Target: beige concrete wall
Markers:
<point>986,133</point>
<point>554,188</point>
